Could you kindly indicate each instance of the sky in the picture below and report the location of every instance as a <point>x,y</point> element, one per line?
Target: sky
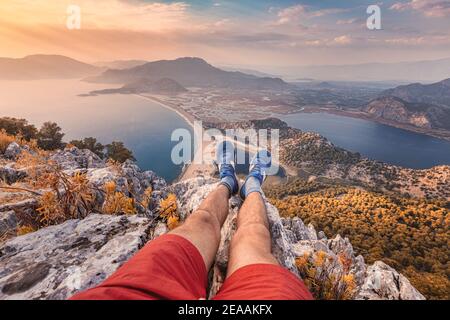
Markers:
<point>279,33</point>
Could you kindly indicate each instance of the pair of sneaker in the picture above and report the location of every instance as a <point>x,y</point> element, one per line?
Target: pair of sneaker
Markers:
<point>226,160</point>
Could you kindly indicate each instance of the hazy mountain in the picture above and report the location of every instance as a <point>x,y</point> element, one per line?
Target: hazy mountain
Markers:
<point>424,71</point>
<point>163,86</point>
<point>436,93</point>
<point>120,64</point>
<point>190,72</point>
<point>45,67</point>
<point>250,71</point>
<point>421,115</point>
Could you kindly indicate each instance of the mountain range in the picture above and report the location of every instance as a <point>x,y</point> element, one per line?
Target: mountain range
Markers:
<point>120,64</point>
<point>190,72</point>
<point>422,115</point>
<point>35,67</point>
<point>435,93</point>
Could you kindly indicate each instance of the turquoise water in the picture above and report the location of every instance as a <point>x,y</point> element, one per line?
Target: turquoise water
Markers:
<point>375,141</point>
<point>144,126</point>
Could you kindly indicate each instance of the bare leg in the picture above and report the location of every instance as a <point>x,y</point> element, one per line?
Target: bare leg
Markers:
<point>251,243</point>
<point>202,228</point>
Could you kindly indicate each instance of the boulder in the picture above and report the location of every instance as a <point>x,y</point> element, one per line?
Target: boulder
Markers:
<point>11,175</point>
<point>74,158</point>
<point>384,283</point>
<point>58,261</point>
<point>12,151</point>
<point>8,222</point>
<point>27,206</point>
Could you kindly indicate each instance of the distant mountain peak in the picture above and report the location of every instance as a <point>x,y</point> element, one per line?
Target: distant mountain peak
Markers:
<point>436,93</point>
<point>192,59</point>
<point>45,66</point>
<point>190,72</point>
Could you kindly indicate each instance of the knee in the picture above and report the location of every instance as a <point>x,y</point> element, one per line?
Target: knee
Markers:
<point>252,232</point>
<point>205,220</point>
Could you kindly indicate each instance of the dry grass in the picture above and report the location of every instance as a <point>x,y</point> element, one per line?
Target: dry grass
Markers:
<point>326,277</point>
<point>5,141</point>
<point>168,211</point>
<point>117,202</point>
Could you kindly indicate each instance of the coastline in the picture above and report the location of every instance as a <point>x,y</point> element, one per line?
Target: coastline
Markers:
<point>191,170</point>
<point>439,134</point>
<point>189,118</point>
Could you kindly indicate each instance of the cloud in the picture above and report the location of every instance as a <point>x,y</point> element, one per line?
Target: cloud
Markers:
<point>101,14</point>
<point>343,40</point>
<point>430,8</point>
<point>428,40</point>
<point>290,14</point>
<point>348,21</point>
<point>294,14</point>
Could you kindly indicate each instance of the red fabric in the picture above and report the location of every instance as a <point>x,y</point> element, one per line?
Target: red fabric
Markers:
<point>263,282</point>
<point>171,268</point>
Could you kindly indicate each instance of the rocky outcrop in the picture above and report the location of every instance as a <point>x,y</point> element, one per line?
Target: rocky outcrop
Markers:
<point>8,222</point>
<point>375,282</point>
<point>13,150</point>
<point>383,282</point>
<point>421,115</point>
<point>291,238</point>
<point>58,261</point>
<point>74,158</point>
<point>10,174</point>
<point>435,93</point>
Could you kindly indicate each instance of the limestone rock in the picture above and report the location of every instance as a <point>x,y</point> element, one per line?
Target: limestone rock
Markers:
<point>58,261</point>
<point>8,222</point>
<point>12,151</point>
<point>27,206</point>
<point>11,175</point>
<point>383,282</point>
<point>74,158</point>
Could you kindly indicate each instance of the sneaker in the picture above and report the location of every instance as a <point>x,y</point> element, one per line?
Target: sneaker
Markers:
<point>259,165</point>
<point>225,159</point>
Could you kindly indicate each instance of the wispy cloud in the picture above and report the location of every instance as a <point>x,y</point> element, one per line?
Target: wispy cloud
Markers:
<point>105,14</point>
<point>430,8</point>
<point>294,14</point>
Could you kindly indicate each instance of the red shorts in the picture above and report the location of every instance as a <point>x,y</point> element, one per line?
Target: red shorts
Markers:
<point>171,268</point>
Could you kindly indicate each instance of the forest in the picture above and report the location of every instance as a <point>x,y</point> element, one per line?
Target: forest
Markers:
<point>409,234</point>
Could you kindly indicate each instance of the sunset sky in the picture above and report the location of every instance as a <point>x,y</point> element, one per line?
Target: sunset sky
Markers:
<point>241,33</point>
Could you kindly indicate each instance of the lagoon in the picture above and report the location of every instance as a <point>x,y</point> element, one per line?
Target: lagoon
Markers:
<point>374,140</point>
<point>144,126</point>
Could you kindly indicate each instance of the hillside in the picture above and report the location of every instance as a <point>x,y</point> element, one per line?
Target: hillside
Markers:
<point>437,93</point>
<point>419,114</point>
<point>189,72</point>
<point>163,86</point>
<point>36,67</point>
<point>409,234</point>
<point>53,247</point>
<point>312,156</point>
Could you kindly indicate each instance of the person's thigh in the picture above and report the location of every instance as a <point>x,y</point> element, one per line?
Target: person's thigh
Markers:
<point>168,268</point>
<point>263,282</point>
